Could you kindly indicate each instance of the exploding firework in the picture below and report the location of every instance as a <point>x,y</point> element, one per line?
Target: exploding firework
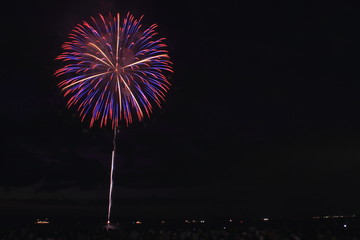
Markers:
<point>115,70</point>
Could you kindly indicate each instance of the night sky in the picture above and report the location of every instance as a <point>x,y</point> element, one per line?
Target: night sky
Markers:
<point>262,118</point>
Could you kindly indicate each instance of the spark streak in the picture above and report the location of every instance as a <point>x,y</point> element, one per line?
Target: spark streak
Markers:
<point>145,60</point>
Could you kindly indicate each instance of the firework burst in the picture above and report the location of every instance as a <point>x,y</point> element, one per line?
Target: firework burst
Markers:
<point>115,70</point>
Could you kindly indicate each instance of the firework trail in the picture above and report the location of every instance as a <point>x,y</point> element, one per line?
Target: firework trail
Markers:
<point>115,71</point>
<point>111,177</point>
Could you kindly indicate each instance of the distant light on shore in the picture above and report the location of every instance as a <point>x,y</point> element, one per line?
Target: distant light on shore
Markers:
<point>39,221</point>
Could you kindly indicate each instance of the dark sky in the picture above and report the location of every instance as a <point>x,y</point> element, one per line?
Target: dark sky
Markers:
<point>262,118</point>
